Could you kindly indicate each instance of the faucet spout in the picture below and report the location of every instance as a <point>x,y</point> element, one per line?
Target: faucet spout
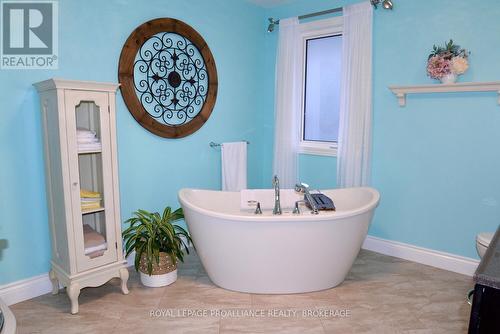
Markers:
<point>277,204</point>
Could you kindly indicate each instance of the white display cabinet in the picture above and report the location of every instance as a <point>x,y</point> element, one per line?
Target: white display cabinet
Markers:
<point>82,185</point>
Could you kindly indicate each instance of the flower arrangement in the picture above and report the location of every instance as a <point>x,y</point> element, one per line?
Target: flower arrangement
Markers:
<point>445,63</point>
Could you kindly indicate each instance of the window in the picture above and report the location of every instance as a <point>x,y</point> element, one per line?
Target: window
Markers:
<point>322,50</point>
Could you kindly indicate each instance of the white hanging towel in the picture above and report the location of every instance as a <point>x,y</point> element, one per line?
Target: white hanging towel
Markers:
<point>234,166</point>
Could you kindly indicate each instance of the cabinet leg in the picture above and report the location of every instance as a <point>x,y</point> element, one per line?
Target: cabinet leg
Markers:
<point>124,278</point>
<point>73,292</point>
<point>55,282</point>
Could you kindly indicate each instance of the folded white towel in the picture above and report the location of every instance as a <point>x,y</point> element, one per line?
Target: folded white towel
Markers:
<point>86,136</point>
<point>89,147</point>
<point>93,240</point>
<point>90,250</point>
<point>234,166</point>
<point>87,140</point>
<point>265,197</point>
<point>90,200</point>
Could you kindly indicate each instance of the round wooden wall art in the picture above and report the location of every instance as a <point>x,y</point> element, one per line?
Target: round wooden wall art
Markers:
<point>168,77</point>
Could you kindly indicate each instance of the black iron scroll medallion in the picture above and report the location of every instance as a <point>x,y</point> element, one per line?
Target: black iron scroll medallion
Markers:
<point>168,78</point>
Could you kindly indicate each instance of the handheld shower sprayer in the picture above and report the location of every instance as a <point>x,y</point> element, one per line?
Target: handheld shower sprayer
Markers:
<point>303,188</point>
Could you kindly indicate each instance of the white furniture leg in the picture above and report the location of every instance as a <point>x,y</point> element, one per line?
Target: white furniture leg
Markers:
<point>73,292</point>
<point>55,282</point>
<point>124,277</point>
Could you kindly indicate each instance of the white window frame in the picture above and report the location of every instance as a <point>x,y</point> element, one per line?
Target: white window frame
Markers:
<point>311,30</point>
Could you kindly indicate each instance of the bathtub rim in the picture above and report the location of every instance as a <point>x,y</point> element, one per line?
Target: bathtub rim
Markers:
<point>322,216</point>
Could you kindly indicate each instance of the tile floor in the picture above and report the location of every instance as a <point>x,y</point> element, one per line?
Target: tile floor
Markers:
<point>381,295</point>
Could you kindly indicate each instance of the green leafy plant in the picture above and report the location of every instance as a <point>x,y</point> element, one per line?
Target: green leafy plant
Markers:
<point>448,51</point>
<point>151,233</point>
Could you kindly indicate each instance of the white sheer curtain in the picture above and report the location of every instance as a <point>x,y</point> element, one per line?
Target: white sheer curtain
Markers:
<point>355,123</point>
<point>287,108</point>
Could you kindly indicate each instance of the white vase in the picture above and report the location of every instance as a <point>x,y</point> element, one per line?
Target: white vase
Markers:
<point>449,78</point>
<point>156,281</point>
<point>163,273</point>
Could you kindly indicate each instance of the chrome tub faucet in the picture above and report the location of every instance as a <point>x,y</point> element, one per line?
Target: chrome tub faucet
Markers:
<point>304,188</point>
<point>277,204</point>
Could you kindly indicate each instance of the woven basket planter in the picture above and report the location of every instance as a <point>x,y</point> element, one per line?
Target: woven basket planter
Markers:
<point>164,273</point>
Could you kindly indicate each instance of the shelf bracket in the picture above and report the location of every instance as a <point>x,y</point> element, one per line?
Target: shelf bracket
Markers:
<point>401,99</point>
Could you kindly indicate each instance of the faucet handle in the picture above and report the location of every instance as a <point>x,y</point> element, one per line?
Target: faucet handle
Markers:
<point>301,187</point>
<point>296,210</point>
<point>258,210</point>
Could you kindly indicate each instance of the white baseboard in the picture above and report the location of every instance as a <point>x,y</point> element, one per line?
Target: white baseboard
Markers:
<point>451,262</point>
<point>22,290</point>
<point>25,289</point>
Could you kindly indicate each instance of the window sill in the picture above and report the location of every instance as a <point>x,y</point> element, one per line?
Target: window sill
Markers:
<point>322,150</point>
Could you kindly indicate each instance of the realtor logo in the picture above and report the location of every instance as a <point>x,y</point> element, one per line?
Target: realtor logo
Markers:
<point>29,34</point>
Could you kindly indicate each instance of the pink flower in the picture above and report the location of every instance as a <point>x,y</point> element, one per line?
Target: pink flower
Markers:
<point>437,67</point>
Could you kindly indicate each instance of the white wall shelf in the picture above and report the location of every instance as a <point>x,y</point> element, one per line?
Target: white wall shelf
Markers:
<point>402,91</point>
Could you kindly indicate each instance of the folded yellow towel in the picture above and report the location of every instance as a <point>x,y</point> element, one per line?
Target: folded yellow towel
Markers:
<point>90,202</point>
<point>87,207</point>
<point>89,194</point>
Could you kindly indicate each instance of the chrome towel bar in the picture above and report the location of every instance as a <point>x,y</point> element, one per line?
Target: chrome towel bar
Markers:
<point>214,145</point>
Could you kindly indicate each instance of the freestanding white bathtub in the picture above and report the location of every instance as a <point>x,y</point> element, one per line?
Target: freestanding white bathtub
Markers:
<point>282,254</point>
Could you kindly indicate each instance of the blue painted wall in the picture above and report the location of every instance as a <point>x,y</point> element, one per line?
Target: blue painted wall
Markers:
<point>435,162</point>
<point>152,169</point>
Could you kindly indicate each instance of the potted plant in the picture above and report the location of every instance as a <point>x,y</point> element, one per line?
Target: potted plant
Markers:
<point>158,245</point>
<point>447,62</point>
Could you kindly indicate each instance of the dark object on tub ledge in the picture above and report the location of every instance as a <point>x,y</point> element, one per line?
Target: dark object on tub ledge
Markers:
<point>322,202</point>
<point>485,312</point>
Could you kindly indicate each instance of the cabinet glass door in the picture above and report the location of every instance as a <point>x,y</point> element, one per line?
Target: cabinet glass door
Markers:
<point>91,176</point>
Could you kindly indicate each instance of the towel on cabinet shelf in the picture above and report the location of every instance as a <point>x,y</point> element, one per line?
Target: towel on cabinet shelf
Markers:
<point>95,244</point>
<point>90,200</point>
<point>87,140</point>
<point>86,136</point>
<point>89,147</point>
<point>90,205</point>
<point>84,193</point>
